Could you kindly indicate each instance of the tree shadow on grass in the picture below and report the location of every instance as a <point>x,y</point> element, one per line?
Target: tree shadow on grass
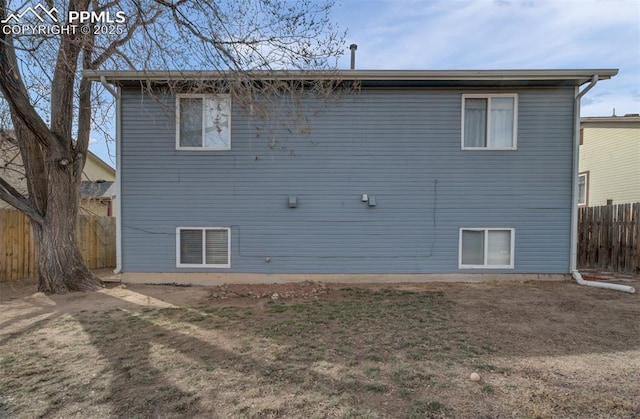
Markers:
<point>158,370</point>
<point>151,359</point>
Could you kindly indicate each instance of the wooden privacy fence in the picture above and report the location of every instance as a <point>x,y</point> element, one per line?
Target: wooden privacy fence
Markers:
<point>96,237</point>
<point>608,238</point>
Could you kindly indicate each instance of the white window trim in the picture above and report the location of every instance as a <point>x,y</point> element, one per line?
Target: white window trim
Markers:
<point>486,245</point>
<point>489,96</point>
<point>203,265</point>
<point>586,189</point>
<point>203,96</point>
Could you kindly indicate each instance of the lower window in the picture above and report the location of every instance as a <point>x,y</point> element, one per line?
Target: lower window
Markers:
<point>203,247</point>
<point>486,248</point>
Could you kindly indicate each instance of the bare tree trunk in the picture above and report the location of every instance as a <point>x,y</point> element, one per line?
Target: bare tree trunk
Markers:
<point>61,267</point>
<point>60,264</point>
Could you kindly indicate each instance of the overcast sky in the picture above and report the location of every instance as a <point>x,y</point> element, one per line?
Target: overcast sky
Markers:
<point>497,34</point>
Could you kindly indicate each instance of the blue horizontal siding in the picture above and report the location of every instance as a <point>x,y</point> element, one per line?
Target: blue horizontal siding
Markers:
<point>394,145</point>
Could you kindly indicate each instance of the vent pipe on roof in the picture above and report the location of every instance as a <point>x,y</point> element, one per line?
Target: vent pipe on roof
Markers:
<point>353,48</point>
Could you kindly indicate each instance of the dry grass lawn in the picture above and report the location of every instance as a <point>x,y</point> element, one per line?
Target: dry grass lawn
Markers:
<point>542,350</point>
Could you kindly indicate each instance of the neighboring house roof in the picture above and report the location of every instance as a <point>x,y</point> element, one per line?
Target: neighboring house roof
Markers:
<point>373,78</point>
<point>598,119</point>
<point>97,189</point>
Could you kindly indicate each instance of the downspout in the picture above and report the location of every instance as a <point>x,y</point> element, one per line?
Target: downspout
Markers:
<point>574,198</point>
<point>118,207</point>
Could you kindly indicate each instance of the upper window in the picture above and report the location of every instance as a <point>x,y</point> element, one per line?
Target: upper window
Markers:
<point>583,189</point>
<point>203,122</point>
<point>489,122</point>
<point>486,248</point>
<point>203,247</point>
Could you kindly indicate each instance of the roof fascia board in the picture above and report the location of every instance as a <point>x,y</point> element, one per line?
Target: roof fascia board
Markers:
<point>580,76</point>
<point>616,119</point>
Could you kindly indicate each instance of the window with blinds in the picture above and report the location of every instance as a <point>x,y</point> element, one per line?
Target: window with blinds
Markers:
<point>203,247</point>
<point>486,248</point>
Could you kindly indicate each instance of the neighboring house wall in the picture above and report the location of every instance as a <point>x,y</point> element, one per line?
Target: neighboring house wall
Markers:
<point>401,146</point>
<point>11,169</point>
<point>610,159</point>
<point>11,166</point>
<point>102,202</point>
<point>95,169</point>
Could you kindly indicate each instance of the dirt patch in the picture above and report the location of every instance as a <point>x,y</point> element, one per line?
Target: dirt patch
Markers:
<point>541,349</point>
<point>275,292</point>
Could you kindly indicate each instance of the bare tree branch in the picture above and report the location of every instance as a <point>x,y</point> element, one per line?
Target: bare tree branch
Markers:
<point>14,91</point>
<point>14,198</point>
<point>112,48</point>
<point>53,108</point>
<point>64,77</point>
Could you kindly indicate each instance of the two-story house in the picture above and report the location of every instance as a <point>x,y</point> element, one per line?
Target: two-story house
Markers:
<point>457,174</point>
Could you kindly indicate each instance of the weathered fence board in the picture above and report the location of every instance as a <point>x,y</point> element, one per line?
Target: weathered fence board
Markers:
<point>96,238</point>
<point>608,238</point>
